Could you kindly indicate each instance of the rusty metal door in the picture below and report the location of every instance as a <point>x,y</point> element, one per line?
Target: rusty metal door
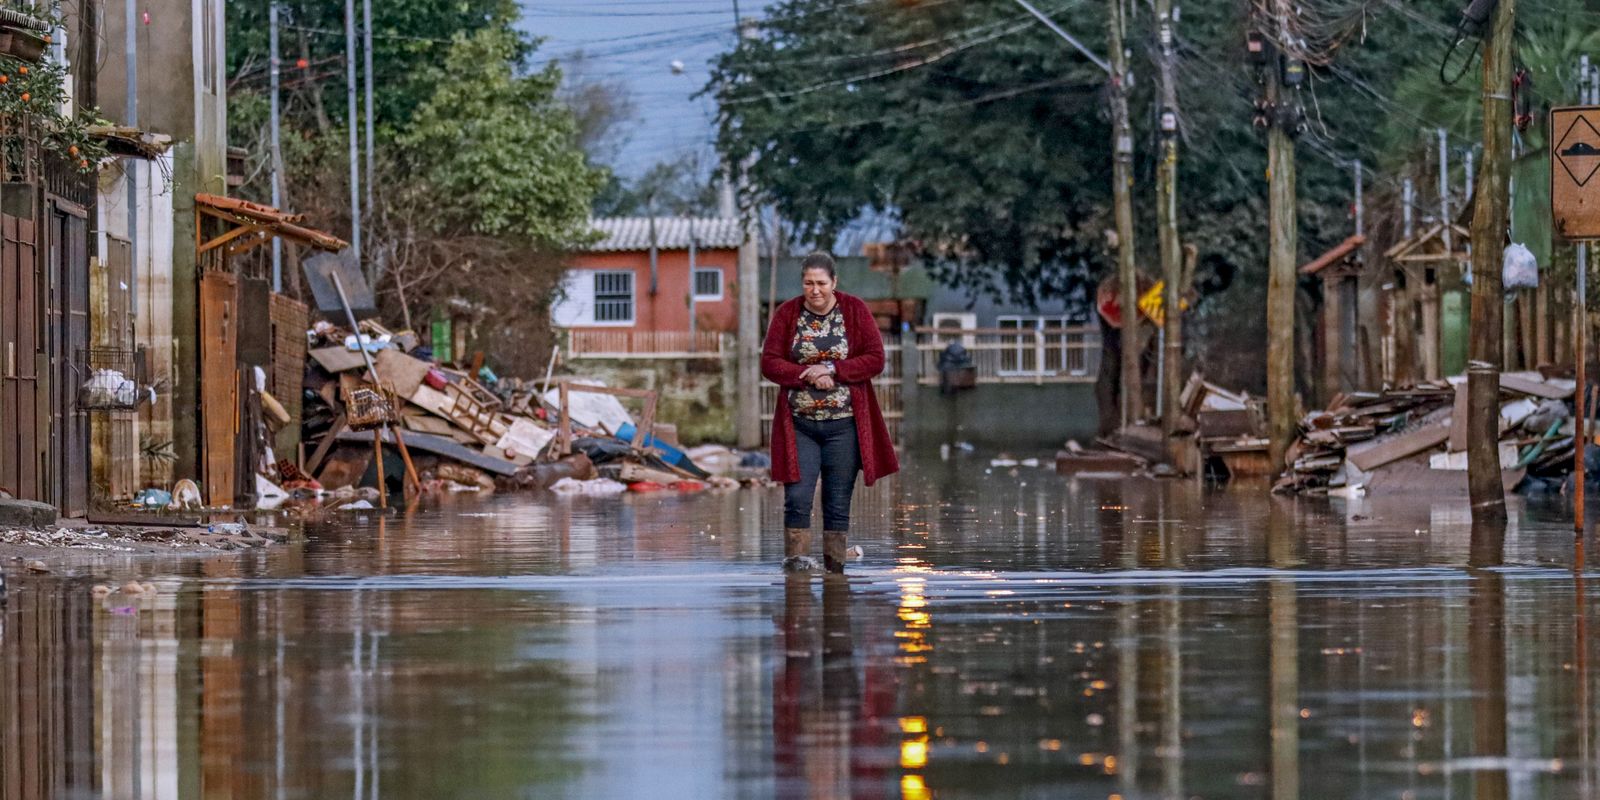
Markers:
<point>21,326</point>
<point>219,384</point>
<point>68,266</point>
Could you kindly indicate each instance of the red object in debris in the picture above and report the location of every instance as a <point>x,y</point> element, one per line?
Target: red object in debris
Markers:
<point>436,379</point>
<point>1106,303</point>
<point>687,486</point>
<point>645,486</point>
<point>540,413</point>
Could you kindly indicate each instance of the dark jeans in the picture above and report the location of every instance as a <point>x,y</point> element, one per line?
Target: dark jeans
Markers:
<point>829,449</point>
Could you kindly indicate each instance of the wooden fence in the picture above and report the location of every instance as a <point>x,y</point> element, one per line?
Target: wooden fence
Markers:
<point>625,343</point>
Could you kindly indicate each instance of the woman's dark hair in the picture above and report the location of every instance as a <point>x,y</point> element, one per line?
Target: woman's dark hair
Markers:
<point>819,260</point>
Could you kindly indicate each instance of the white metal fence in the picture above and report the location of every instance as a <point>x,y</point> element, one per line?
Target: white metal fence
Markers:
<point>887,386</point>
<point>1015,355</point>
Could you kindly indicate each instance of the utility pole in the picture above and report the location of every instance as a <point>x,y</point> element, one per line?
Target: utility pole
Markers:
<point>1408,198</point>
<point>1121,193</point>
<point>350,122</point>
<point>366,68</point>
<point>130,64</point>
<point>748,417</point>
<point>1167,222</point>
<point>1282,247</point>
<point>1489,221</point>
<point>1444,190</point>
<point>277,146</point>
<point>1361,209</point>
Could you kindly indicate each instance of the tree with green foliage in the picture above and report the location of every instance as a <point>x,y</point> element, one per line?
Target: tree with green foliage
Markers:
<point>988,136</point>
<point>481,184</point>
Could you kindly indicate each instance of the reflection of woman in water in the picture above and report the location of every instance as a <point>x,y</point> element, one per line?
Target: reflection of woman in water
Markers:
<point>828,733</point>
<point>823,350</point>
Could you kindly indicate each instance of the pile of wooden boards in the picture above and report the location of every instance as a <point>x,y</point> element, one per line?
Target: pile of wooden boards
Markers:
<point>466,436</point>
<point>1415,439</point>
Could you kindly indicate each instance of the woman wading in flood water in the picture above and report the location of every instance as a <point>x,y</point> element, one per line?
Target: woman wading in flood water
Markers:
<point>823,350</point>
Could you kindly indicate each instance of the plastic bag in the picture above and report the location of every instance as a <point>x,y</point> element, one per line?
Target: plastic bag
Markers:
<point>108,388</point>
<point>1519,269</point>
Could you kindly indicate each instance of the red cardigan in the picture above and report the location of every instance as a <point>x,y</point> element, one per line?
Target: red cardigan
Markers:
<point>865,363</point>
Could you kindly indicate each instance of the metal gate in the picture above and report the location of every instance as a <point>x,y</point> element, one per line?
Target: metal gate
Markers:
<point>114,460</point>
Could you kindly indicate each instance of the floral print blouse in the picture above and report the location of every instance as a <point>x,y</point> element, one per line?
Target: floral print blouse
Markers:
<point>820,339</point>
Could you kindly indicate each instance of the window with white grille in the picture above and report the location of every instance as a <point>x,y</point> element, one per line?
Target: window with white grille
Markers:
<point>1025,353</point>
<point>613,296</point>
<point>707,283</point>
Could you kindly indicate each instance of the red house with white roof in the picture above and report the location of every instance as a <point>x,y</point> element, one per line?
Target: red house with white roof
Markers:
<point>654,281</point>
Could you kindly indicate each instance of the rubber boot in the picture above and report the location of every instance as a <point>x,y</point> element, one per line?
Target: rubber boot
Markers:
<point>796,541</point>
<point>833,548</point>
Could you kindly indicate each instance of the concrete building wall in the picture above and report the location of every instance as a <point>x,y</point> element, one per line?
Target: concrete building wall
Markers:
<point>1023,419</point>
<point>181,92</point>
<point>152,289</point>
<point>668,309</point>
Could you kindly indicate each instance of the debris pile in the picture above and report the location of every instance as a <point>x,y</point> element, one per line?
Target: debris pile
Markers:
<point>1415,438</point>
<point>444,430</point>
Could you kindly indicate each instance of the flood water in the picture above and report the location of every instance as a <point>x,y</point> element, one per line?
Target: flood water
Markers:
<point>1006,635</point>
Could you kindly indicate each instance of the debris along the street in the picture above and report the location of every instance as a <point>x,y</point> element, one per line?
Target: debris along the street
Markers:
<point>430,428</point>
<point>1414,439</point>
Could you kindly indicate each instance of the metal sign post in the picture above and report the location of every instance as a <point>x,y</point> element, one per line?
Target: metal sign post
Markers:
<point>1575,215</point>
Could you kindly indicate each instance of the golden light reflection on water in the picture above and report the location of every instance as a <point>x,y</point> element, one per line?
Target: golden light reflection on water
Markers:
<point>912,788</point>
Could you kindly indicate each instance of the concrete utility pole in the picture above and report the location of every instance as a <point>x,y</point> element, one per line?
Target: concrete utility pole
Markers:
<point>1167,223</point>
<point>366,80</point>
<point>1489,221</point>
<point>1408,195</point>
<point>1121,194</point>
<point>350,121</point>
<point>748,418</point>
<point>1283,244</point>
<point>277,147</point>
<point>1444,190</point>
<point>130,64</point>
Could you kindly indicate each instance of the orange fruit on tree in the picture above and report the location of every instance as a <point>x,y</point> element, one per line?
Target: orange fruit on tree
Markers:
<point>23,69</point>
<point>73,150</point>
<point>4,79</point>
<point>26,97</point>
<point>83,163</point>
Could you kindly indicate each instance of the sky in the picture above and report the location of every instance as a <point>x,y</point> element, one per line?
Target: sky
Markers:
<point>635,42</point>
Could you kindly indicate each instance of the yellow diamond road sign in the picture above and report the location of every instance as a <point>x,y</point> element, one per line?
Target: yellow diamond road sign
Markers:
<point>1575,171</point>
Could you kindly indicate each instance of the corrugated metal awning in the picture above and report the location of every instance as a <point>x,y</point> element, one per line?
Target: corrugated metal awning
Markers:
<point>630,234</point>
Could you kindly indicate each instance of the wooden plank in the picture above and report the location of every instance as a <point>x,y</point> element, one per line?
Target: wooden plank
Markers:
<point>1529,386</point>
<point>1458,421</point>
<point>337,359</point>
<point>1369,456</point>
<point>427,423</point>
<point>218,385</point>
<point>325,445</point>
<point>400,371</point>
<point>441,446</point>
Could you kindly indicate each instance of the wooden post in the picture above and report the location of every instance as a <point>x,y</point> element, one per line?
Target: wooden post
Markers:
<point>1280,275</point>
<point>1580,350</point>
<point>1167,221</point>
<point>377,454</point>
<point>1121,193</point>
<point>1489,222</point>
<point>1333,351</point>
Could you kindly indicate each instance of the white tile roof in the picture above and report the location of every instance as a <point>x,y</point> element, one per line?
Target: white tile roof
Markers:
<point>626,234</point>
